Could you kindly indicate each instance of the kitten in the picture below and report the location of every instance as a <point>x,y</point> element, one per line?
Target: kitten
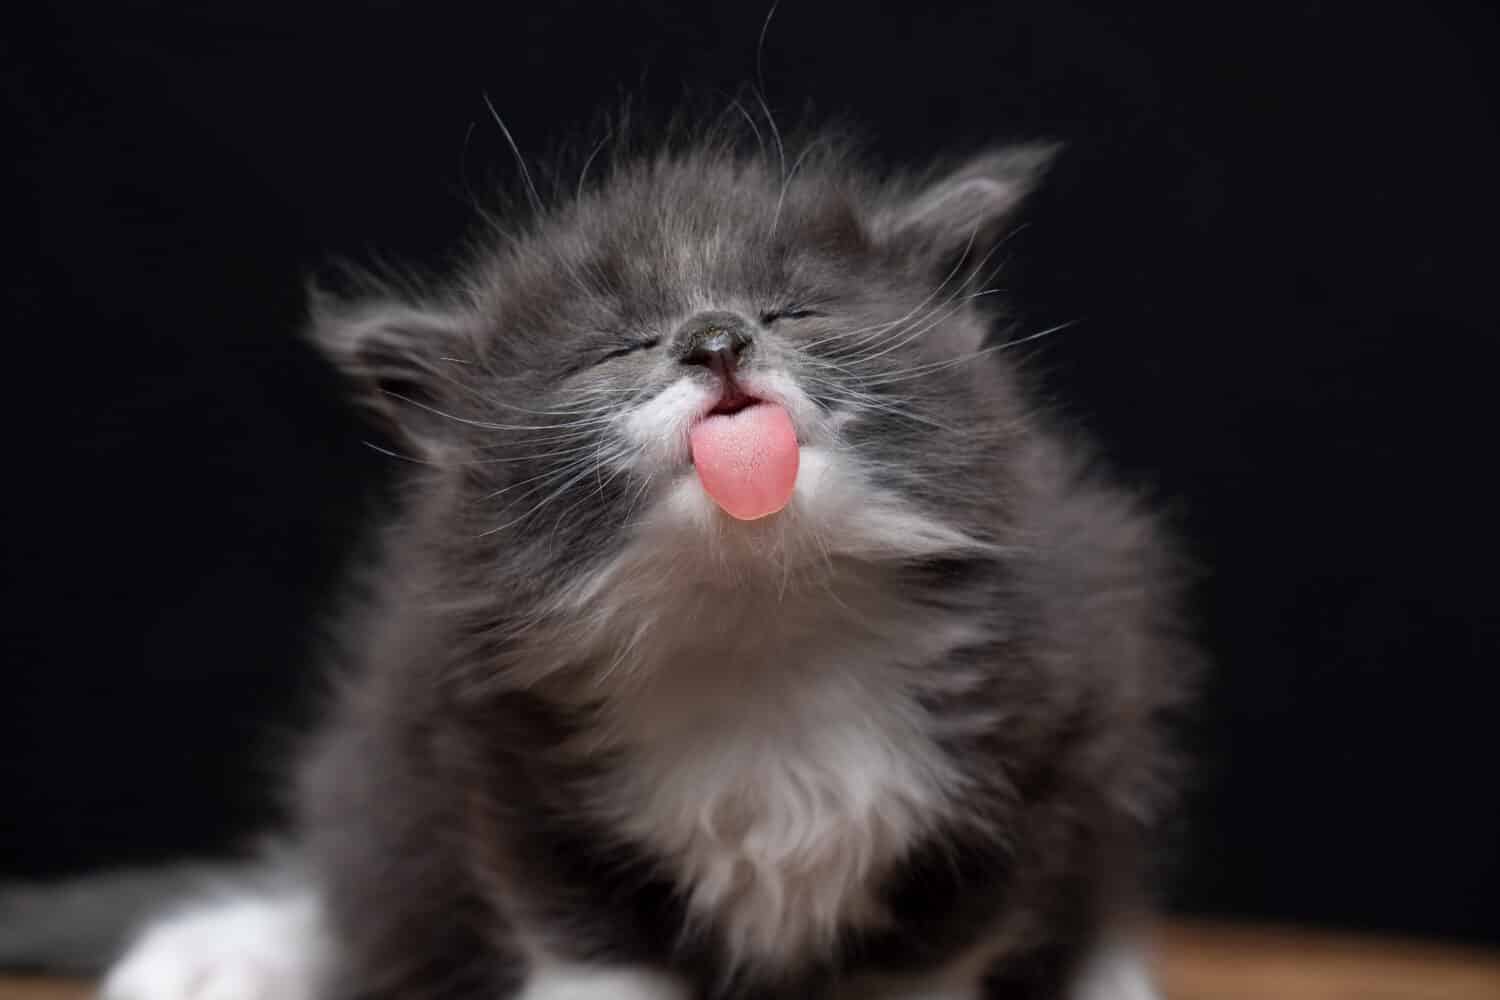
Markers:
<point>744,633</point>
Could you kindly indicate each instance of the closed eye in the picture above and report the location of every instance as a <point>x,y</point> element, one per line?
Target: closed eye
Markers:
<point>631,348</point>
<point>771,316</point>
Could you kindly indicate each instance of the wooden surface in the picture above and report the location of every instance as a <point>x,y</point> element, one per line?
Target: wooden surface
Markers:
<point>1207,962</point>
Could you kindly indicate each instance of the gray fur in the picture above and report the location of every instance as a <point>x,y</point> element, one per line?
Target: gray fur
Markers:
<point>447,805</point>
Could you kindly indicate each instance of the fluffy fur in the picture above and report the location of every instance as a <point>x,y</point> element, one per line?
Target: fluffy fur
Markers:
<point>596,739</point>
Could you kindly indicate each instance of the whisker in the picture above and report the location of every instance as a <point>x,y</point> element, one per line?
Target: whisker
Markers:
<point>760,79</point>
<point>486,425</point>
<point>898,338</point>
<point>931,322</point>
<point>598,491</point>
<point>555,439</point>
<point>912,315</point>
<point>639,493</point>
<point>578,410</point>
<point>539,457</point>
<point>846,395</point>
<point>909,314</point>
<point>550,473</point>
<point>397,455</point>
<point>786,183</point>
<point>759,139</point>
<point>922,370</point>
<point>542,503</point>
<point>584,173</point>
<point>535,199</point>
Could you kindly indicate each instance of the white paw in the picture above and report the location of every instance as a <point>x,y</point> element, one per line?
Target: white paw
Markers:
<point>576,982</point>
<point>238,948</point>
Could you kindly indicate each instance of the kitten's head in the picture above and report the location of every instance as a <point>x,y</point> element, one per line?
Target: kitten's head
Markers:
<point>552,394</point>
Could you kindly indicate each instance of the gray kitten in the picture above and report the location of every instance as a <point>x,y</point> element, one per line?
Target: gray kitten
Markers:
<point>744,632</point>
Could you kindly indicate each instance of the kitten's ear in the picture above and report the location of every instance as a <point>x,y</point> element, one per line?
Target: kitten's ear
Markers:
<point>958,218</point>
<point>392,352</point>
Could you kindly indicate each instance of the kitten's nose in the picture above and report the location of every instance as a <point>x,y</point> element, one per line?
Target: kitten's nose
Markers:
<point>714,340</point>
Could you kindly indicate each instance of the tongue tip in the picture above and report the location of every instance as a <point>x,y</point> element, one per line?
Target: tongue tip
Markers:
<point>757,513</point>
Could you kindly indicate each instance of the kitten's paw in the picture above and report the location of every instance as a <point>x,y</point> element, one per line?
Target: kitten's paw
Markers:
<point>578,982</point>
<point>156,975</point>
<point>242,948</point>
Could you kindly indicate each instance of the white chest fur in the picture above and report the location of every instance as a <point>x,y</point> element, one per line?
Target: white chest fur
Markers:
<point>780,806</point>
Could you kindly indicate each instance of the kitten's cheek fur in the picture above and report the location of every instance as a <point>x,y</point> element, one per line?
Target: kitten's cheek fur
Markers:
<point>657,430</point>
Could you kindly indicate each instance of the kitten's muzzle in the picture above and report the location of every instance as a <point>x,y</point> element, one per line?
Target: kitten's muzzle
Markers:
<point>717,341</point>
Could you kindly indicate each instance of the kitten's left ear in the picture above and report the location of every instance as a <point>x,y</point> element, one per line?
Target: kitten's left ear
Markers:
<point>960,216</point>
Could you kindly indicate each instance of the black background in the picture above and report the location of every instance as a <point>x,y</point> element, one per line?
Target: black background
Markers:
<point>1276,224</point>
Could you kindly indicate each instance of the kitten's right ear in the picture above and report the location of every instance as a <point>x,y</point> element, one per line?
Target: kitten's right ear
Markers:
<point>393,353</point>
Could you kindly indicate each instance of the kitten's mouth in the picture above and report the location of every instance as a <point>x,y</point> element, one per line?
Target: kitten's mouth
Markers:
<point>733,401</point>
<point>746,455</point>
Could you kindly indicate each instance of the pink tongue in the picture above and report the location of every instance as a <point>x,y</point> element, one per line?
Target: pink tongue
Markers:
<point>747,461</point>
